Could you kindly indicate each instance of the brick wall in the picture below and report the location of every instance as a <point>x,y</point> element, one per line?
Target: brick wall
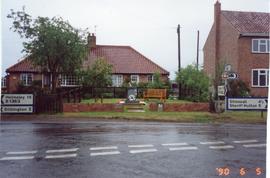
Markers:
<point>97,107</point>
<point>176,107</point>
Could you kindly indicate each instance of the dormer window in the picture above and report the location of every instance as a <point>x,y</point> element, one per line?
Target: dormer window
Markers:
<point>260,45</point>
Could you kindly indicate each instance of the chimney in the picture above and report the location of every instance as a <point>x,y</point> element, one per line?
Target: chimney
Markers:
<point>217,11</point>
<point>91,39</point>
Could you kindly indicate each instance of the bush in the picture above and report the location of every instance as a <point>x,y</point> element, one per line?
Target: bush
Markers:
<point>237,88</point>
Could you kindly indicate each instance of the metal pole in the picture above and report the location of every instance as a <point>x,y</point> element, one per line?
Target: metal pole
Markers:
<point>179,60</point>
<point>198,37</point>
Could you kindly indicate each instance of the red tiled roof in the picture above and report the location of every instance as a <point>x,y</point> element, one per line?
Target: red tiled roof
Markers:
<point>248,22</point>
<point>125,60</point>
<point>24,65</point>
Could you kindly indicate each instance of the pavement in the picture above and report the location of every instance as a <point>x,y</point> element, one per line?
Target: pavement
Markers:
<point>120,149</point>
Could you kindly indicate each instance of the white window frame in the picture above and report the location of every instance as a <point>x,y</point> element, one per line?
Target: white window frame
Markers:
<point>27,81</point>
<point>137,80</point>
<point>152,78</point>
<point>260,43</point>
<point>259,74</point>
<point>3,82</point>
<point>65,83</point>
<point>119,79</point>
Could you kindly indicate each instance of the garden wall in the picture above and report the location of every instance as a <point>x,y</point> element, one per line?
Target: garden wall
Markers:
<point>95,107</point>
<point>183,107</point>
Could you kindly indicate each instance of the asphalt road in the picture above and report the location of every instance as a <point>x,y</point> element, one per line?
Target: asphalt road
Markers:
<point>116,149</point>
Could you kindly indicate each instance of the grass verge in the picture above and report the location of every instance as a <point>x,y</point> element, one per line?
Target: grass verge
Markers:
<point>193,117</point>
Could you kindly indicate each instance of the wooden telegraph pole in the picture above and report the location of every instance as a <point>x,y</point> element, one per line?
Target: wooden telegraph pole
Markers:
<point>179,60</point>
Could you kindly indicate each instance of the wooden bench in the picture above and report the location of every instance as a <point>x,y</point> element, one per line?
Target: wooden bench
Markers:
<point>155,93</point>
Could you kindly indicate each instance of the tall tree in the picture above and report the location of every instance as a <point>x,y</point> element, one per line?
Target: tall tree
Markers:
<point>50,43</point>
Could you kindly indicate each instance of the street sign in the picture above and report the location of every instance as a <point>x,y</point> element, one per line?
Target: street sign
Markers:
<point>221,90</point>
<point>247,103</point>
<point>17,99</point>
<point>232,75</point>
<point>228,68</point>
<point>16,109</point>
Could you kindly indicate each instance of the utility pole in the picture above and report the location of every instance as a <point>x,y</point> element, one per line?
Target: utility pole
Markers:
<point>179,60</point>
<point>198,37</point>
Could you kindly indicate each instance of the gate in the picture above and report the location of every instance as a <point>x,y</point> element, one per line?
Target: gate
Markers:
<point>48,103</point>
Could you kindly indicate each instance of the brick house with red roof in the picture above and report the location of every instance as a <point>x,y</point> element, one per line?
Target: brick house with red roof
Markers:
<point>240,39</point>
<point>128,64</point>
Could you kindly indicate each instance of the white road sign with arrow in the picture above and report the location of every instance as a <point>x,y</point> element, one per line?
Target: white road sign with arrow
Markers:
<point>247,103</point>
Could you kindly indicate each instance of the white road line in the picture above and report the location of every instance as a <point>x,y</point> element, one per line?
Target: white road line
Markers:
<point>143,151</point>
<point>17,158</point>
<point>104,148</point>
<point>212,143</point>
<point>62,150</point>
<point>61,156</point>
<point>174,144</point>
<point>183,148</point>
<point>20,152</point>
<point>105,153</point>
<point>140,146</point>
<point>255,145</point>
<point>245,141</point>
<point>221,147</point>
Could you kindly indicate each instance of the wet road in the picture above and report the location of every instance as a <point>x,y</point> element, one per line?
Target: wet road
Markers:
<point>116,149</point>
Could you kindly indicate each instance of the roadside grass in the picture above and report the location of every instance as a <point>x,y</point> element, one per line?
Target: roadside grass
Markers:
<point>193,117</point>
<point>116,100</point>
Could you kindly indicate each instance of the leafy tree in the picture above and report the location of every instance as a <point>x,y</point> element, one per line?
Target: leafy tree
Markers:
<point>157,83</point>
<point>51,43</point>
<point>196,79</point>
<point>99,75</point>
<point>237,88</point>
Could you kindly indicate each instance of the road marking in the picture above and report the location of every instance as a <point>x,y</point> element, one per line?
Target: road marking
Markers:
<point>255,145</point>
<point>222,147</point>
<point>174,144</point>
<point>20,152</point>
<point>140,146</point>
<point>62,150</point>
<point>17,158</point>
<point>105,153</point>
<point>183,148</point>
<point>212,143</point>
<point>245,141</point>
<point>104,148</point>
<point>143,151</point>
<point>61,156</point>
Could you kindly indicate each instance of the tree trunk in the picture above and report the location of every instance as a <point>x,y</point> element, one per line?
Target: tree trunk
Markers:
<point>54,80</point>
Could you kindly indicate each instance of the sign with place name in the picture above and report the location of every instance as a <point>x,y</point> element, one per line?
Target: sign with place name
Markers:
<point>221,90</point>
<point>247,103</point>
<point>16,109</point>
<point>17,99</point>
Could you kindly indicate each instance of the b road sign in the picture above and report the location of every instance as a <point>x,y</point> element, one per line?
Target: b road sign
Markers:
<point>17,99</point>
<point>247,103</point>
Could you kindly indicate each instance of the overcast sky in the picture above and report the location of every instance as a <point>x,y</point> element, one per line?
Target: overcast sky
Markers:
<point>149,26</point>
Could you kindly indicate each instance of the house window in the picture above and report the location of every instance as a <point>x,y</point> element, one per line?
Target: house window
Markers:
<point>69,80</point>
<point>150,78</point>
<point>26,79</point>
<point>134,78</point>
<point>117,80</point>
<point>260,45</point>
<point>260,77</point>
<point>3,82</point>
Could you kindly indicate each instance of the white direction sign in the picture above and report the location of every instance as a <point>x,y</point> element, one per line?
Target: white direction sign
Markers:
<point>16,109</point>
<point>221,90</point>
<point>17,99</point>
<point>247,103</point>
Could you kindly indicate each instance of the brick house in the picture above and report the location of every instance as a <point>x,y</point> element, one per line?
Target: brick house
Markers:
<point>240,39</point>
<point>128,64</point>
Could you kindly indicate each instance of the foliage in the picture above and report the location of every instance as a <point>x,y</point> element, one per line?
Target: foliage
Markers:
<point>195,79</point>
<point>237,88</point>
<point>98,75</point>
<point>51,43</point>
<point>34,88</point>
<point>157,83</point>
